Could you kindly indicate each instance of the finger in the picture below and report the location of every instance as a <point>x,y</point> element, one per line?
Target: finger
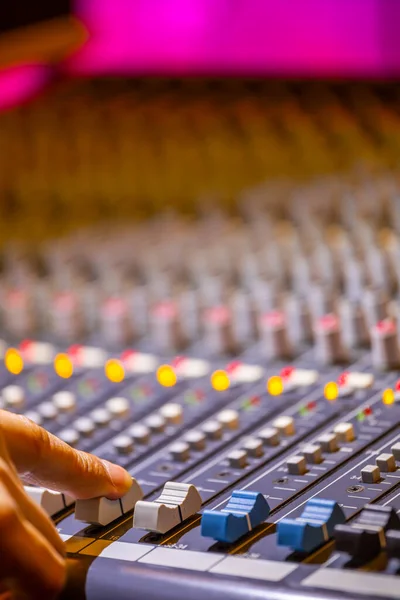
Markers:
<point>26,556</point>
<point>42,458</point>
<point>31,511</point>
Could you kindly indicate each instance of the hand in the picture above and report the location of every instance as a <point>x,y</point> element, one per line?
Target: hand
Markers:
<point>31,551</point>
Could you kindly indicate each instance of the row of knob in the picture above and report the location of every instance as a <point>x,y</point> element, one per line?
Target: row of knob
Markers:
<point>283,327</point>
<point>385,463</point>
<point>229,419</point>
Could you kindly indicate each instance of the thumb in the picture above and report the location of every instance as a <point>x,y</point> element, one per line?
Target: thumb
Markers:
<point>41,458</point>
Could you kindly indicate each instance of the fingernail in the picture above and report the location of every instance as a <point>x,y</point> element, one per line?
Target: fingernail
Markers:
<point>120,478</point>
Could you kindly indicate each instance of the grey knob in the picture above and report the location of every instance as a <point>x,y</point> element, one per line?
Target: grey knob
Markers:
<point>328,344</point>
<point>354,326</point>
<point>275,342</point>
<point>384,343</point>
<point>218,334</point>
<point>375,306</point>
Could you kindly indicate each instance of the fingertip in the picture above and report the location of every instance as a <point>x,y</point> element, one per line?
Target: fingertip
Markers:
<point>120,479</point>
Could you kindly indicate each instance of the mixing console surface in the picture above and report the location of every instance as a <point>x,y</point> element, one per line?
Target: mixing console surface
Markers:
<point>246,372</point>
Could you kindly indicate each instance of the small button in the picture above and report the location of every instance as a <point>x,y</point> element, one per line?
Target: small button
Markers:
<point>313,454</point>
<point>296,465</point>
<point>370,474</point>
<point>229,418</point>
<point>237,459</point>
<point>395,449</point>
<point>386,463</point>
<point>34,416</point>
<point>123,444</point>
<point>172,413</point>
<point>47,410</point>
<point>254,447</point>
<point>196,439</point>
<point>212,429</point>
<point>140,433</point>
<point>269,436</point>
<point>13,396</point>
<point>65,401</point>
<point>345,432</point>
<point>328,442</point>
<point>84,426</point>
<point>69,436</point>
<point>180,451</point>
<point>119,407</point>
<point>285,425</point>
<point>156,423</point>
<point>101,417</point>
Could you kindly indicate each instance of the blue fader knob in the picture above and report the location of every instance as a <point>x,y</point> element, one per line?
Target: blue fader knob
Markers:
<point>314,527</point>
<point>244,511</point>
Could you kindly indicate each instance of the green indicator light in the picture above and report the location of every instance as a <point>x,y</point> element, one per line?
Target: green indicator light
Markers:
<point>360,416</point>
<point>303,411</point>
<point>246,404</point>
<point>191,398</point>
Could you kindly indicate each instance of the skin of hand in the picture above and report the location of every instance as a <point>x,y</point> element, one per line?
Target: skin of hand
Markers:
<point>32,555</point>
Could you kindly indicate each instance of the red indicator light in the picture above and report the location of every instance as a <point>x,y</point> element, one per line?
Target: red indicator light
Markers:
<point>287,372</point>
<point>114,306</point>
<point>311,405</point>
<point>74,353</point>
<point>177,361</point>
<point>255,400</point>
<point>127,354</point>
<point>218,314</point>
<point>367,411</point>
<point>343,378</point>
<point>329,322</point>
<point>25,345</point>
<point>397,386</point>
<point>231,368</point>
<point>385,327</point>
<point>165,310</point>
<point>274,319</point>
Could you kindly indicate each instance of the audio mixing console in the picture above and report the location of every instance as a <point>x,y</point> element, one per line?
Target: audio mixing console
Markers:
<point>245,371</point>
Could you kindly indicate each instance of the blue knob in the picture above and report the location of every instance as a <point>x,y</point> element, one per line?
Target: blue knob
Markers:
<point>244,511</point>
<point>314,527</point>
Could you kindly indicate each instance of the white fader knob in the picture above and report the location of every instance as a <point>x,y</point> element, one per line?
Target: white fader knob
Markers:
<point>177,502</point>
<point>13,396</point>
<point>345,432</point>
<point>101,511</point>
<point>51,502</point>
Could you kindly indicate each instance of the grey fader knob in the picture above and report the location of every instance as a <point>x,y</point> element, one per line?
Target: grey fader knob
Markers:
<point>321,300</point>
<point>123,444</point>
<point>237,459</point>
<point>165,328</point>
<point>386,463</point>
<point>269,436</point>
<point>299,322</point>
<point>370,474</point>
<point>296,465</point>
<point>384,343</point>
<point>328,442</point>
<point>275,342</point>
<point>13,396</point>
<point>313,454</point>
<point>180,451</point>
<point>328,344</point>
<point>354,326</point>
<point>218,333</point>
<point>396,451</point>
<point>375,306</point>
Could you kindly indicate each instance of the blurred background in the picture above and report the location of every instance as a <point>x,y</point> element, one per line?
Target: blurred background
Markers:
<point>116,108</point>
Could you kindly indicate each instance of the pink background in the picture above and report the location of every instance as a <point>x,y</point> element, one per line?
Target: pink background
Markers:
<point>301,38</point>
<point>285,37</point>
